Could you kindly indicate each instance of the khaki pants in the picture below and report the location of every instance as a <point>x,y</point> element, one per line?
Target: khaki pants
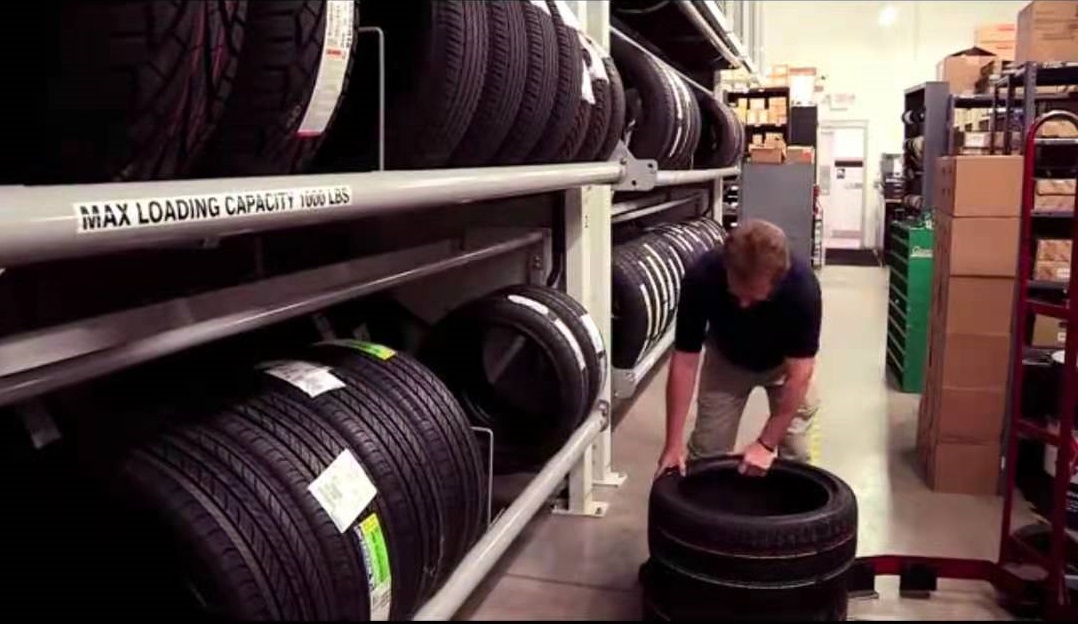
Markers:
<point>724,390</point>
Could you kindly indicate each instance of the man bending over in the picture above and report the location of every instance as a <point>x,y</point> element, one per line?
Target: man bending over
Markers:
<point>758,311</point>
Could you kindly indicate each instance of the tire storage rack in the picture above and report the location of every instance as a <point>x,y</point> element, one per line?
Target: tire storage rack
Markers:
<point>1035,571</point>
<point>189,296</point>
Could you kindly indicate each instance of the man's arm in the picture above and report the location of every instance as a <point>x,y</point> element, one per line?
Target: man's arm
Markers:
<point>798,376</point>
<point>689,335</point>
<point>798,367</point>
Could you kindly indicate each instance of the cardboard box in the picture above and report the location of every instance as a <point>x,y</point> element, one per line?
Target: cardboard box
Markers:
<point>1059,129</point>
<point>960,468</point>
<point>1052,270</point>
<point>766,155</point>
<point>1047,32</point>
<point>1054,203</point>
<point>976,305</point>
<point>1054,249</point>
<point>979,186</point>
<point>798,154</point>
<point>985,247</point>
<point>962,69</point>
<point>1056,186</point>
<point>969,414</point>
<point>776,103</point>
<point>1048,332</point>
<point>999,39</point>
<point>975,361</point>
<point>757,103</point>
<point>779,76</point>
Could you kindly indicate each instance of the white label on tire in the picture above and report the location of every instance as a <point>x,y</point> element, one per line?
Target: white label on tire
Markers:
<point>567,15</point>
<point>344,490</point>
<point>329,82</point>
<point>593,333</point>
<point>586,91</point>
<point>310,378</point>
<point>558,324</point>
<point>646,296</point>
<point>542,6</point>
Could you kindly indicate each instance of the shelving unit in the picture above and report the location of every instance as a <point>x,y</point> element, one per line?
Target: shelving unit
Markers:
<point>909,301</point>
<point>926,113</point>
<point>76,223</point>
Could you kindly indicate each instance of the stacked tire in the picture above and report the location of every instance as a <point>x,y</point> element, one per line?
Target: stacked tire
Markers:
<point>731,548</point>
<point>646,281</point>
<point>526,362</point>
<point>342,486</point>
<point>489,83</point>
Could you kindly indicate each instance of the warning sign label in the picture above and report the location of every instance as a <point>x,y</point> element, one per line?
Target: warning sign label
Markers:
<point>111,215</point>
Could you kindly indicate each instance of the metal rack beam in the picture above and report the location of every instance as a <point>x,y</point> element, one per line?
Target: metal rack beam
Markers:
<point>615,33</point>
<point>631,213</point>
<point>51,222</point>
<point>626,380</point>
<point>709,32</point>
<point>38,362</point>
<point>694,176</point>
<point>482,557</point>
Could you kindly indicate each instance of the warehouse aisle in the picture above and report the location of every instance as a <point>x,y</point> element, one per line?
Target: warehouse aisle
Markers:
<point>583,568</point>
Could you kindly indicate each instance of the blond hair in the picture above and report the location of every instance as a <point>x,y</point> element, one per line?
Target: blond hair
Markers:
<point>757,250</point>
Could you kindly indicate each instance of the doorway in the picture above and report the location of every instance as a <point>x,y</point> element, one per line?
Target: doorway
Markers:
<point>841,172</point>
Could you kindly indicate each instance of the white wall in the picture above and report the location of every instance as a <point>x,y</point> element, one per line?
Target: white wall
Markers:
<point>847,44</point>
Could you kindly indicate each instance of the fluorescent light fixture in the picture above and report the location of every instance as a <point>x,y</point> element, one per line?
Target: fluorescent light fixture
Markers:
<point>888,15</point>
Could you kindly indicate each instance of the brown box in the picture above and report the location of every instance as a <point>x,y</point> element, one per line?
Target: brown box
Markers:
<point>999,39</point>
<point>979,186</point>
<point>976,305</point>
<point>1055,186</point>
<point>1054,249</point>
<point>766,155</point>
<point>1052,270</point>
<point>962,69</point>
<point>959,468</point>
<point>972,361</point>
<point>1047,32</point>
<point>1048,332</point>
<point>1053,203</point>
<point>776,103</point>
<point>798,154</point>
<point>978,247</point>
<point>970,414</point>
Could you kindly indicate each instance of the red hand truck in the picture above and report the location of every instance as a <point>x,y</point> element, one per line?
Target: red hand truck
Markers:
<point>1047,593</point>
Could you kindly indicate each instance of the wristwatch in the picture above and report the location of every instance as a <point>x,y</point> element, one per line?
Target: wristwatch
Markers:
<point>761,442</point>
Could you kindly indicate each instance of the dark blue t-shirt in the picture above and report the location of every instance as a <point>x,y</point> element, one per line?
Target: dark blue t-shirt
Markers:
<point>759,337</point>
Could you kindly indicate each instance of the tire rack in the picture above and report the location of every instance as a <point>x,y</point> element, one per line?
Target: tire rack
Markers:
<point>41,223</point>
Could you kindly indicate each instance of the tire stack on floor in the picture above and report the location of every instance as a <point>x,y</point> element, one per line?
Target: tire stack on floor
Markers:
<point>732,548</point>
<point>345,485</point>
<point>646,281</point>
<point>527,362</point>
<point>489,83</point>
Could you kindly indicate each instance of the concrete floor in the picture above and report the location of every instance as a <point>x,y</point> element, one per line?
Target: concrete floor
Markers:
<point>585,568</point>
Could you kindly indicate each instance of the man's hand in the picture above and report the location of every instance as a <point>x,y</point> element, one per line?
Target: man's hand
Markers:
<point>672,457</point>
<point>757,460</point>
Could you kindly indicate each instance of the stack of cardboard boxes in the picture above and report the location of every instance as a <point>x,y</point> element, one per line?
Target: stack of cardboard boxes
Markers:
<point>977,205</point>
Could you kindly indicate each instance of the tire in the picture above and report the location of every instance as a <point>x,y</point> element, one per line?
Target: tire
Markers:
<point>414,397</point>
<point>632,309</point>
<point>564,111</point>
<point>406,531</point>
<point>688,122</point>
<point>616,124</point>
<point>658,252</point>
<point>530,422</point>
<point>295,466</point>
<point>265,129</point>
<point>786,540</point>
<point>540,87</point>
<point>130,90</point>
<point>722,140</point>
<point>503,85</point>
<point>583,328</point>
<point>652,284</point>
<point>238,559</point>
<point>439,54</point>
<point>599,120</point>
<point>654,123</point>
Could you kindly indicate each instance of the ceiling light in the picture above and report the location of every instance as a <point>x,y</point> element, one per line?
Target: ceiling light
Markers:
<point>888,15</point>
